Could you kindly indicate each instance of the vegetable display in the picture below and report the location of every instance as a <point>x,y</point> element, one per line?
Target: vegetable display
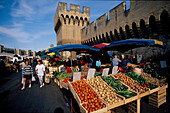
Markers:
<point>98,74</point>
<point>91,101</point>
<point>62,75</point>
<point>118,86</point>
<point>130,82</point>
<point>153,72</point>
<point>148,77</point>
<point>115,83</point>
<point>105,92</point>
<point>141,80</point>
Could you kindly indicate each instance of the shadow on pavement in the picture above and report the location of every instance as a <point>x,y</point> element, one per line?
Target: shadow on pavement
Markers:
<point>59,110</point>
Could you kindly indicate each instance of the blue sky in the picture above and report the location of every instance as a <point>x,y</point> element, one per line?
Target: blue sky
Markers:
<point>28,24</point>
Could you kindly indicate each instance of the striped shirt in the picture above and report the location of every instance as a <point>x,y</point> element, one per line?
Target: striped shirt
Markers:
<point>28,70</point>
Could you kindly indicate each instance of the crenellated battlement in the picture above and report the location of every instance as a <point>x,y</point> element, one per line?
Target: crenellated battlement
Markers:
<point>124,23</point>
<point>72,16</point>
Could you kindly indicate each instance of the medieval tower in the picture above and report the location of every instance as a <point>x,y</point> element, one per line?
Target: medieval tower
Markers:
<point>68,25</point>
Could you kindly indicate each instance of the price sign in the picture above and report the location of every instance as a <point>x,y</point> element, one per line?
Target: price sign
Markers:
<point>163,64</point>
<point>76,76</point>
<point>115,70</point>
<point>91,73</point>
<point>105,72</point>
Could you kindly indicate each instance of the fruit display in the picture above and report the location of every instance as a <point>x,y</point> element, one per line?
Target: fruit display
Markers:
<point>151,79</point>
<point>135,86</point>
<point>105,92</point>
<point>118,86</point>
<point>91,101</point>
<point>66,80</point>
<point>141,80</point>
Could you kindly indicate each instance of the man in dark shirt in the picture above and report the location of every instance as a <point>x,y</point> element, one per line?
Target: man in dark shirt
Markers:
<point>27,74</point>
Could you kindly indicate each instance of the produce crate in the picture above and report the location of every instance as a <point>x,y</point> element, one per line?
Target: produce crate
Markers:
<point>158,98</point>
<point>129,99</point>
<point>134,107</point>
<point>83,110</point>
<point>144,94</point>
<point>74,93</point>
<point>63,85</point>
<point>132,98</point>
<point>56,81</point>
<point>115,104</point>
<point>154,90</point>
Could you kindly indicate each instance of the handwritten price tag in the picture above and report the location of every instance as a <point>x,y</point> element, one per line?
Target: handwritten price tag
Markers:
<point>76,76</point>
<point>91,73</point>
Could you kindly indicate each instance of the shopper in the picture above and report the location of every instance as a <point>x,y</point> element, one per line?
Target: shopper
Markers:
<point>40,70</point>
<point>98,64</point>
<point>27,74</point>
<point>22,64</point>
<point>124,64</point>
<point>90,62</point>
<point>46,62</point>
<point>115,61</point>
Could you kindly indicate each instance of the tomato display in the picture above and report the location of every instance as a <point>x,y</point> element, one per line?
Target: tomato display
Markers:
<point>87,96</point>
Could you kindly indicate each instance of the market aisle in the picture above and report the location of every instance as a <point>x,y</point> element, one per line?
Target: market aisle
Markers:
<point>46,99</point>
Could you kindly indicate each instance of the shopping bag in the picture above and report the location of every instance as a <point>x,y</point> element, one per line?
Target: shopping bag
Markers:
<point>33,78</point>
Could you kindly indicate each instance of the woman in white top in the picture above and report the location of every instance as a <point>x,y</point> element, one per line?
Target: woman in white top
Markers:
<point>40,70</point>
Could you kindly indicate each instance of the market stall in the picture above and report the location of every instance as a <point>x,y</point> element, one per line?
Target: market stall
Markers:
<point>125,45</point>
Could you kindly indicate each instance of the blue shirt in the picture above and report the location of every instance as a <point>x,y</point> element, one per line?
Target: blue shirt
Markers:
<point>98,63</point>
<point>115,62</point>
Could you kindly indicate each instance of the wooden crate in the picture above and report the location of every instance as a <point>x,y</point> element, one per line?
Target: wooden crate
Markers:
<point>120,103</point>
<point>158,98</point>
<point>74,93</point>
<point>83,110</point>
<point>63,85</point>
<point>134,107</point>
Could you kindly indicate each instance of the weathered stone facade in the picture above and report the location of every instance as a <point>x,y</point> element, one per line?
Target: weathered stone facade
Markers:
<point>144,19</point>
<point>68,24</point>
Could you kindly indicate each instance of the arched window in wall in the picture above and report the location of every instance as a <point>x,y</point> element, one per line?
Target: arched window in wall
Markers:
<point>103,38</point>
<point>94,41</point>
<point>128,34</point>
<point>143,28</point>
<point>165,22</point>
<point>135,30</point>
<point>152,24</point>
<point>111,36</point>
<point>72,19</point>
<point>121,33</point>
<point>81,18</point>
<point>116,35</point>
<point>100,39</point>
<point>108,38</point>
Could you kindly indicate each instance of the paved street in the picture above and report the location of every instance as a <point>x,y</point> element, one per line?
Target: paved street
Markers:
<point>47,99</point>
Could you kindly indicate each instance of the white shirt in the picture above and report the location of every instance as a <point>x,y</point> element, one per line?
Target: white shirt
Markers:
<point>40,69</point>
<point>23,64</point>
